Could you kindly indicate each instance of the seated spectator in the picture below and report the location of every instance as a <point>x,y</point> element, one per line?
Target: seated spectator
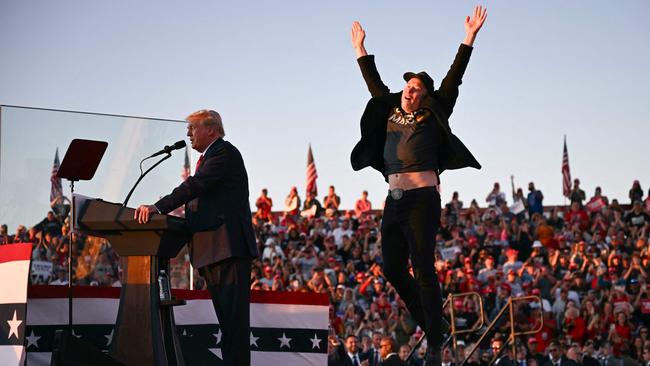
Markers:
<point>292,202</point>
<point>311,207</point>
<point>331,203</point>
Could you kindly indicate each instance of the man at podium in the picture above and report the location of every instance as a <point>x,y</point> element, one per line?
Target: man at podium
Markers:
<point>218,215</point>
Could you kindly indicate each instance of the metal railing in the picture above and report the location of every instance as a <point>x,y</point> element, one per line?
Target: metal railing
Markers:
<point>511,340</point>
<point>453,332</point>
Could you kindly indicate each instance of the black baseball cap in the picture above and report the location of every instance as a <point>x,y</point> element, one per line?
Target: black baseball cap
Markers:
<point>424,78</point>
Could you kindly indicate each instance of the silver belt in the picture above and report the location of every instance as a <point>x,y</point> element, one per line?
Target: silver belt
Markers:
<point>396,193</point>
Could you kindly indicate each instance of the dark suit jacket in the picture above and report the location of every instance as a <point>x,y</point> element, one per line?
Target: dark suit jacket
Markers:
<point>393,360</point>
<point>368,356</point>
<point>369,150</point>
<point>340,357</point>
<point>216,207</point>
<point>563,362</point>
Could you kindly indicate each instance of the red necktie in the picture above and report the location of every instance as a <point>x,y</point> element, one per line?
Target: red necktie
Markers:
<point>198,163</point>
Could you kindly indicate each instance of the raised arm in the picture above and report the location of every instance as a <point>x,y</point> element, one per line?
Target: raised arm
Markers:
<point>367,62</point>
<point>448,92</point>
<point>358,36</point>
<point>474,24</point>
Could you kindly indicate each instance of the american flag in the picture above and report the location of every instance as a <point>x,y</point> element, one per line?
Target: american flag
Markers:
<point>186,167</point>
<point>566,173</point>
<point>14,270</point>
<point>287,328</point>
<point>311,174</point>
<point>57,189</point>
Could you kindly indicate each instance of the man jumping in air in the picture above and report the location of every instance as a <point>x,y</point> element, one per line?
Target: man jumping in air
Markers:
<point>406,137</point>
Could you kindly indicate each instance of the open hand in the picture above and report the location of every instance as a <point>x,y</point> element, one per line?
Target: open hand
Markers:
<point>474,24</point>
<point>358,36</point>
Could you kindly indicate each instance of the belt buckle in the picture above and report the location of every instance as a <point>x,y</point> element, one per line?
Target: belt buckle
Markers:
<point>397,193</point>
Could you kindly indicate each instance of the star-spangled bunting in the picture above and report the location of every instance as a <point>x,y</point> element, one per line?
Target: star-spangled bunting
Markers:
<point>13,326</point>
<point>315,342</point>
<point>284,341</point>
<point>200,343</point>
<point>109,338</point>
<point>32,339</point>
<point>216,352</point>
<point>254,340</point>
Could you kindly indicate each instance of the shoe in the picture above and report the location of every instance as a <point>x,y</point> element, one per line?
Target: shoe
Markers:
<point>432,357</point>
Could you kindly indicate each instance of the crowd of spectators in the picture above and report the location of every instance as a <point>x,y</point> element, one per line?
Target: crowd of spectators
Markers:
<point>588,262</point>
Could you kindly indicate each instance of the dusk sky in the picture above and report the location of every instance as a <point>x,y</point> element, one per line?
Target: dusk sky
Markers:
<point>283,74</point>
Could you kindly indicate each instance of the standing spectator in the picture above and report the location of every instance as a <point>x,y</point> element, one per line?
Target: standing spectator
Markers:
<point>574,325</point>
<point>577,194</point>
<point>340,232</point>
<point>405,350</point>
<point>495,198</point>
<point>636,193</point>
<point>4,235</point>
<point>264,204</point>
<point>453,209</point>
<point>577,215</point>
<point>21,235</point>
<point>646,356</point>
<point>607,357</point>
<point>50,225</point>
<point>647,202</point>
<point>555,357</point>
<point>374,354</point>
<point>535,198</point>
<point>597,202</point>
<point>363,205</point>
<point>637,219</point>
<point>292,202</point>
<point>331,203</point>
<point>588,354</point>
<point>346,354</point>
<point>388,353</point>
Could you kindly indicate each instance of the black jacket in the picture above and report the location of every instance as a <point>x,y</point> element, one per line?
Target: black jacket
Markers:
<point>340,357</point>
<point>369,150</point>
<point>216,207</point>
<point>393,360</point>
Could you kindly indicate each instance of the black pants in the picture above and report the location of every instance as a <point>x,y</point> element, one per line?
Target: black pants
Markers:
<point>229,285</point>
<point>409,228</point>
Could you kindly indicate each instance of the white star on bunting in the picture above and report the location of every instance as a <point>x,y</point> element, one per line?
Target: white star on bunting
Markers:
<point>254,340</point>
<point>109,338</point>
<point>32,340</point>
<point>13,326</point>
<point>284,341</point>
<point>218,336</point>
<point>216,352</point>
<point>315,342</point>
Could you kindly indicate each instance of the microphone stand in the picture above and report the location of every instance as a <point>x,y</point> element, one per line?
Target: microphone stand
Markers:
<point>169,154</point>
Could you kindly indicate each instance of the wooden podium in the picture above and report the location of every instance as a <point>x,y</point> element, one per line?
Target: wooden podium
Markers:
<point>145,332</point>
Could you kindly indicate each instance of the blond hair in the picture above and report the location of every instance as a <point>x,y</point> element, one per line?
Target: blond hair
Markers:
<point>208,117</point>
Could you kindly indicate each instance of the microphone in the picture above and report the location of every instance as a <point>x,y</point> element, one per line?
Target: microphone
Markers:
<point>168,149</point>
